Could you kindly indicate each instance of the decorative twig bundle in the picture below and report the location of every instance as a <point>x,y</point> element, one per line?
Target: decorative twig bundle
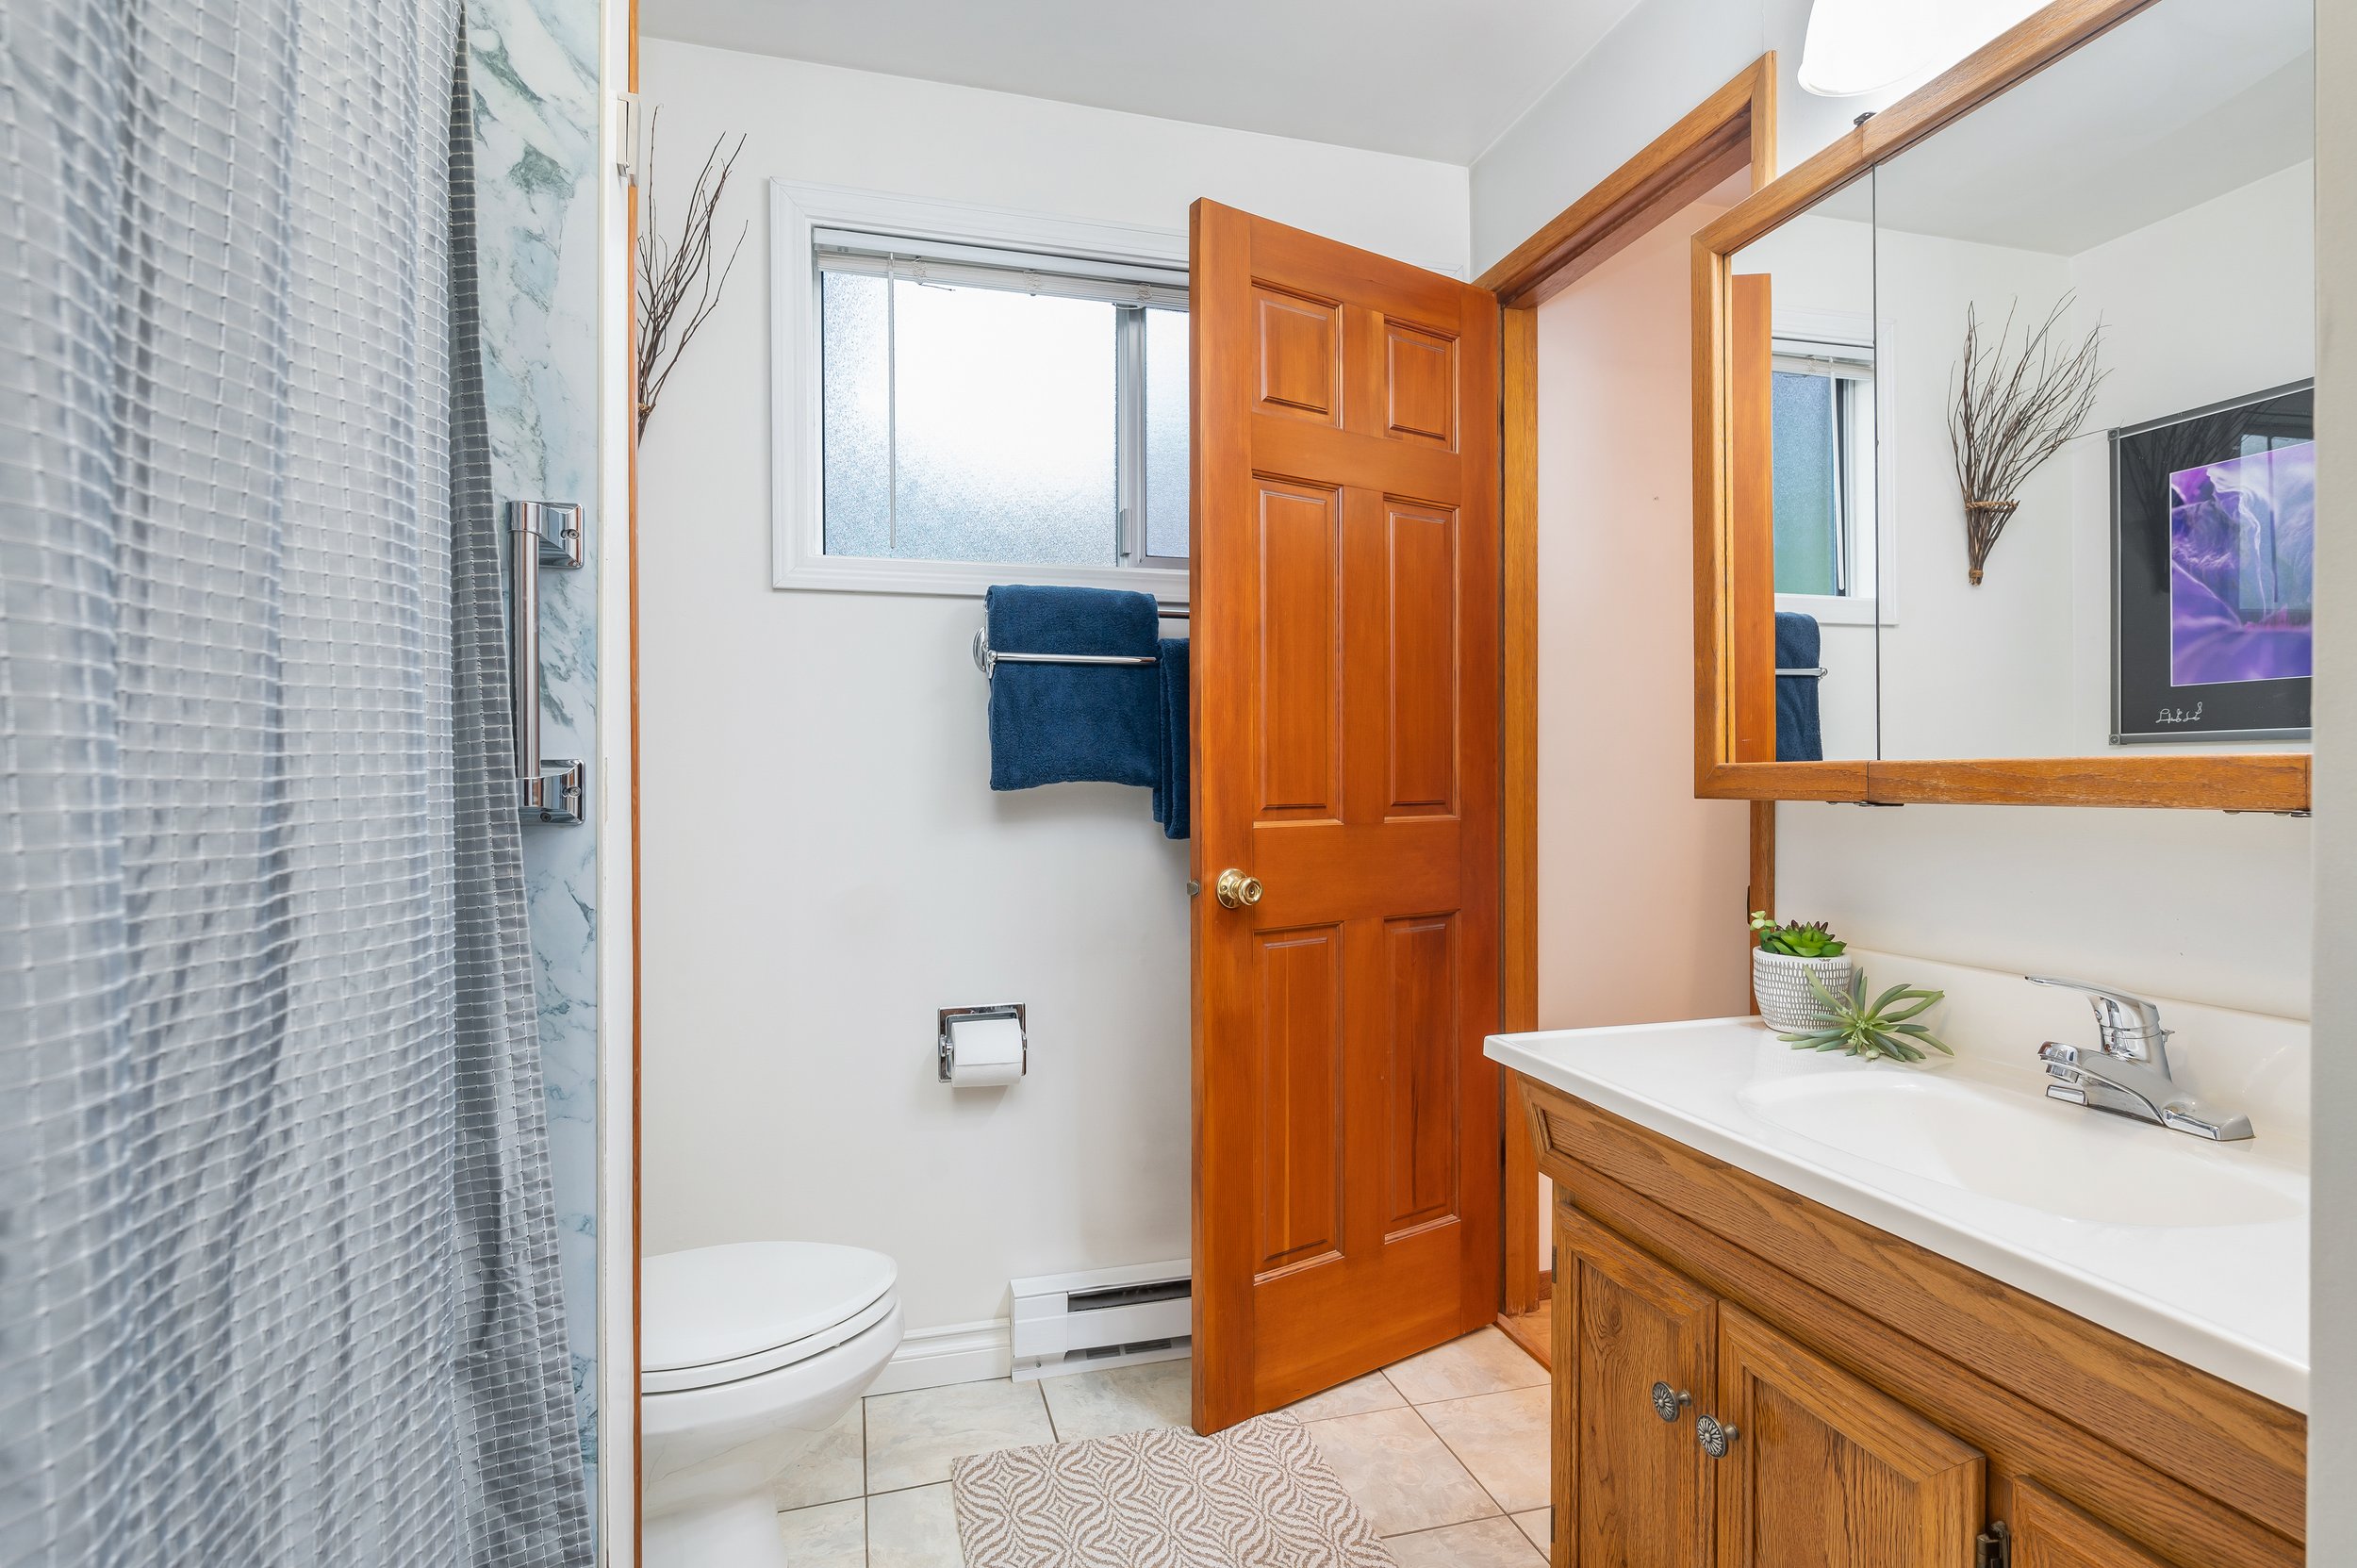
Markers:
<point>2011,415</point>
<point>667,275</point>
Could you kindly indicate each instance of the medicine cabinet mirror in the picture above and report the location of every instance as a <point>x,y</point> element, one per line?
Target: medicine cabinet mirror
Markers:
<point>2004,422</point>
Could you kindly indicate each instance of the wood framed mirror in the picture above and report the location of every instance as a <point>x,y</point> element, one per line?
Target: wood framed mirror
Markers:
<point>2135,178</point>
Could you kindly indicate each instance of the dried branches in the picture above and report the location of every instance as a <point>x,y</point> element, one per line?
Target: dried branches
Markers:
<point>2011,415</point>
<point>668,274</point>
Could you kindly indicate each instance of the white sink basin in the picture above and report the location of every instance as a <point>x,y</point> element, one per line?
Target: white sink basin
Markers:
<point>2042,1154</point>
<point>2195,1248</point>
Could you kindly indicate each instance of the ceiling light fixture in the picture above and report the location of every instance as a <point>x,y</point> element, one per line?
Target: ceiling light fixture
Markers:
<point>1859,46</point>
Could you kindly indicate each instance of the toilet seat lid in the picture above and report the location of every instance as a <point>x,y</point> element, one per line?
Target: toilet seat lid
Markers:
<point>723,1303</point>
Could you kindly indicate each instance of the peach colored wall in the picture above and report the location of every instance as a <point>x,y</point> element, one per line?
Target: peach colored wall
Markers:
<point>1640,886</point>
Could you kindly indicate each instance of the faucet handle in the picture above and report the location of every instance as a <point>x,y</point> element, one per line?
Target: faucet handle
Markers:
<point>2130,1024</point>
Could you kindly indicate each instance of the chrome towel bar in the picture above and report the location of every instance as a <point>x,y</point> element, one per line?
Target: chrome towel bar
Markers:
<point>1817,674</point>
<point>986,659</point>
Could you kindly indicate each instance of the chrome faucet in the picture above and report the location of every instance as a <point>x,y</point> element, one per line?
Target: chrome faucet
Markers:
<point>2128,1074</point>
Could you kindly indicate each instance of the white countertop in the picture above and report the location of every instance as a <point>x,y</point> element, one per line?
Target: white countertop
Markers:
<point>2197,1249</point>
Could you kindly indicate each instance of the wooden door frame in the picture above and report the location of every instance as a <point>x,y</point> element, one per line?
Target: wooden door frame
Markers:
<point>1732,130</point>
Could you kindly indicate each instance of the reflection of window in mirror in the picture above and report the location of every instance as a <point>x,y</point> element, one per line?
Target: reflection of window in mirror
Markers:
<point>1822,415</point>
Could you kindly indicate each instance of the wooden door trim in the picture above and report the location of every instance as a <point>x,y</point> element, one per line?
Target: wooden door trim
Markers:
<point>2246,781</point>
<point>1733,129</point>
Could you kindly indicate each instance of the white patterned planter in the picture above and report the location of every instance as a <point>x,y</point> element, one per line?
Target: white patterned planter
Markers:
<point>1781,983</point>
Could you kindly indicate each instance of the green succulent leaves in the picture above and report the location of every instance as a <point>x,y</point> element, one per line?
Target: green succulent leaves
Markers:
<point>1795,940</point>
<point>1883,1028</point>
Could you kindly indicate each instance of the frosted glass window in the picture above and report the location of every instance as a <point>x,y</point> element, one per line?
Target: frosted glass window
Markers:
<point>1166,433</point>
<point>1821,412</point>
<point>976,413</point>
<point>857,429</point>
<point>1807,468</point>
<point>1004,445</point>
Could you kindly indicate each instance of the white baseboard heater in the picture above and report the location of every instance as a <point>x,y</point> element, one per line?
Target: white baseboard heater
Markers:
<point>1103,1317</point>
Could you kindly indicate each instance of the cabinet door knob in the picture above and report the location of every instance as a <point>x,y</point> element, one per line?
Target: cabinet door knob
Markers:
<point>1714,1437</point>
<point>1669,1402</point>
<point>1236,890</point>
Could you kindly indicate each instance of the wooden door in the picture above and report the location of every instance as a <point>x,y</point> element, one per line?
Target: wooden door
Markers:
<point>1632,1486</point>
<point>1751,597</point>
<point>1346,719</point>
<point>2050,1533</point>
<point>1822,1471</point>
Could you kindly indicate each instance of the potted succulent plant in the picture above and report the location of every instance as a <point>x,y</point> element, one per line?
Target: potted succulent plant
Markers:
<point>1785,960</point>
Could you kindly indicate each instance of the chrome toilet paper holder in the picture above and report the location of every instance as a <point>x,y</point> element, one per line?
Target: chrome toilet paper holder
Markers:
<point>946,1049</point>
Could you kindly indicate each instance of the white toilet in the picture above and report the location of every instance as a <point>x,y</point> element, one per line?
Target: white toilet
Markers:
<point>746,1353</point>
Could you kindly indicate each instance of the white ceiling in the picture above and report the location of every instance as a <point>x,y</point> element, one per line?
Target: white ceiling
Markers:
<point>1436,81</point>
<point>2185,101</point>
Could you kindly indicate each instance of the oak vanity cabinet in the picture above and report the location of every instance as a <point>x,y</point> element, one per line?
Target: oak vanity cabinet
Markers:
<point>1745,1378</point>
<point>1813,1466</point>
<point>1684,1409</point>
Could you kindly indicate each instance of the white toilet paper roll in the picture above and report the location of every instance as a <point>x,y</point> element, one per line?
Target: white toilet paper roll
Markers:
<point>984,1052</point>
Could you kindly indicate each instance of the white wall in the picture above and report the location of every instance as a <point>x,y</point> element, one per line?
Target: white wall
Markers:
<point>2332,1386</point>
<point>2216,905</point>
<point>825,864</point>
<point>1969,671</point>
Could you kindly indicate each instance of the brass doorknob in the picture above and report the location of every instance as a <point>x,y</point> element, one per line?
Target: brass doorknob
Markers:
<point>1236,890</point>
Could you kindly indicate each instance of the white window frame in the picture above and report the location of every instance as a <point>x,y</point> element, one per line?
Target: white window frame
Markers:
<point>798,517</point>
<point>1839,334</point>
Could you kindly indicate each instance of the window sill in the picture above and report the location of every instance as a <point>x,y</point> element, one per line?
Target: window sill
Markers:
<point>1834,610</point>
<point>970,578</point>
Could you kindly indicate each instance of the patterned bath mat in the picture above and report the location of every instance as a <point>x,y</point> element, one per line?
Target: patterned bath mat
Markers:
<point>1257,1496</point>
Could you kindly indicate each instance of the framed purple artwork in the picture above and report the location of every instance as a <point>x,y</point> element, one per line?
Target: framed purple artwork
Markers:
<point>2213,516</point>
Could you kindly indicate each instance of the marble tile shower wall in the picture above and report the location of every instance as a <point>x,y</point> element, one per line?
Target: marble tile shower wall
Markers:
<point>534,68</point>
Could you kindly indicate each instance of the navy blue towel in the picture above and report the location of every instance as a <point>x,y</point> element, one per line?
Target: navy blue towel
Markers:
<point>1171,803</point>
<point>1060,723</point>
<point>1799,738</point>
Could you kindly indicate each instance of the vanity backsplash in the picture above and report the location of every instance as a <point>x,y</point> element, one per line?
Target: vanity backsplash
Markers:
<point>1996,1020</point>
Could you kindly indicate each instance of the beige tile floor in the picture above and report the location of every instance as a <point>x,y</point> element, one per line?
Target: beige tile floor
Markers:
<point>1446,1452</point>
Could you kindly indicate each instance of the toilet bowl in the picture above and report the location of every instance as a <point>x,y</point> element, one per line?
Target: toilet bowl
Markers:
<point>748,1353</point>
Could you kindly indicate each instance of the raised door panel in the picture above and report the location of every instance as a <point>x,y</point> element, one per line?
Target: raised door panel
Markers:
<point>1632,1488</point>
<point>1420,582</point>
<point>1420,385</point>
<point>1420,953</point>
<point>2050,1533</point>
<point>1300,576</point>
<point>1300,1099</point>
<point>1300,355</point>
<point>1822,1471</point>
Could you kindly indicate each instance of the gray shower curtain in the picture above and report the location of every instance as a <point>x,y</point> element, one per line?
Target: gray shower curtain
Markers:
<point>278,1260</point>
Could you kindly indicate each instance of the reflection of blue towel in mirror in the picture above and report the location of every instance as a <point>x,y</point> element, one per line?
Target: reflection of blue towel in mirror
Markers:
<point>1171,801</point>
<point>1799,738</point>
<point>1053,723</point>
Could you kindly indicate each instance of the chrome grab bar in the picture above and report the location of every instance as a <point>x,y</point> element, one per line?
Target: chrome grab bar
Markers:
<point>540,533</point>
